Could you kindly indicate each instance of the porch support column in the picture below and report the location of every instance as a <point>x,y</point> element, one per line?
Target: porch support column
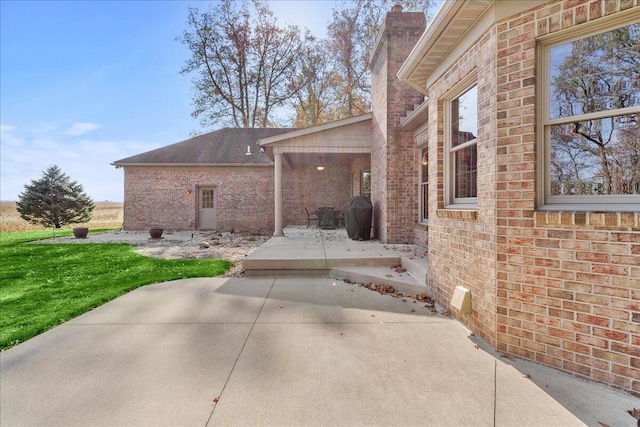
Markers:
<point>279,217</point>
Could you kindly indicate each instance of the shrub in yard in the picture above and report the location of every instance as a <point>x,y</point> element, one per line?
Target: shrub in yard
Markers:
<point>54,200</point>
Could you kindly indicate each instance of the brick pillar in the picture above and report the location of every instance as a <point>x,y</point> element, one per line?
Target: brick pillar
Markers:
<point>393,173</point>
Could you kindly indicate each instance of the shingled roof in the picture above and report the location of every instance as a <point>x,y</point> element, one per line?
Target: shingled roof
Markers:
<point>226,146</point>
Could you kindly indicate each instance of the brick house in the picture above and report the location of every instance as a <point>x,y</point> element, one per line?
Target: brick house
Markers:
<point>224,180</point>
<point>476,149</point>
<point>553,268</point>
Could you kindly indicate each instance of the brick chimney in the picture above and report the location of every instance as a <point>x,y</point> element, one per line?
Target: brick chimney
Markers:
<point>392,168</point>
<point>397,6</point>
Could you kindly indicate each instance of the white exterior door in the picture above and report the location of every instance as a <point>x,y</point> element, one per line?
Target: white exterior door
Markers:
<point>207,208</point>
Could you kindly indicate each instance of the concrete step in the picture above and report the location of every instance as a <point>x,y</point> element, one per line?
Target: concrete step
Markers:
<point>402,282</point>
<point>311,267</point>
<point>416,267</point>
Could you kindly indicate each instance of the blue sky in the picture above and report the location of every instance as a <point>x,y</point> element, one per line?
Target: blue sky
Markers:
<point>85,83</point>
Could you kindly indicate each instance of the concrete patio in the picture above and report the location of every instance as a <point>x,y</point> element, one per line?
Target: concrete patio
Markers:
<point>316,252</point>
<point>282,352</point>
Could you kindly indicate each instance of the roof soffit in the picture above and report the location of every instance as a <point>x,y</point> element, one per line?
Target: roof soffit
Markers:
<point>455,28</point>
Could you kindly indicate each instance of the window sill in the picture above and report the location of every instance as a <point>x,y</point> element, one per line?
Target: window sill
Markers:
<point>458,214</point>
<point>585,219</point>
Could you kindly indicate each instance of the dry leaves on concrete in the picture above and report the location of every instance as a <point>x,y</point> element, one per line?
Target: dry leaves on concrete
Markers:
<point>399,268</point>
<point>390,290</point>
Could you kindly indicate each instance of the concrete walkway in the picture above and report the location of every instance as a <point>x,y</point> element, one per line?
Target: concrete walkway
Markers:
<point>282,352</point>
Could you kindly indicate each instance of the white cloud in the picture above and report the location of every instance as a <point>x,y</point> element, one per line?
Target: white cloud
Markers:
<point>8,139</point>
<point>29,150</point>
<point>80,128</point>
<point>45,128</point>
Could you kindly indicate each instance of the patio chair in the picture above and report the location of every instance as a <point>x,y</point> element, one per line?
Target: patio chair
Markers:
<point>311,217</point>
<point>340,219</point>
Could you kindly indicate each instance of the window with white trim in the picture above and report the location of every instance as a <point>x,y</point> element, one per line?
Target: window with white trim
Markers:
<point>365,187</point>
<point>461,135</point>
<point>423,167</point>
<point>590,117</point>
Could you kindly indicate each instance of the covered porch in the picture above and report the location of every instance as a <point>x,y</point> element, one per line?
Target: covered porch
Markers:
<point>320,166</point>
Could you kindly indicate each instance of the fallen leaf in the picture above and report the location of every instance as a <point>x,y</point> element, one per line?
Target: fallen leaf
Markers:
<point>527,376</point>
<point>506,356</point>
<point>603,424</point>
<point>388,275</point>
<point>476,346</point>
<point>215,400</point>
<point>635,413</point>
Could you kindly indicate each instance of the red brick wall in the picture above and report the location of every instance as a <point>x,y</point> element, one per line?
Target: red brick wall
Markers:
<point>394,177</point>
<point>569,283</point>
<point>159,196</point>
<point>245,197</point>
<point>379,77</point>
<point>311,188</point>
<point>560,288</point>
<point>462,243</point>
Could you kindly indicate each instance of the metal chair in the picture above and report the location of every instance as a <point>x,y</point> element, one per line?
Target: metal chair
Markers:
<point>340,219</point>
<point>311,217</point>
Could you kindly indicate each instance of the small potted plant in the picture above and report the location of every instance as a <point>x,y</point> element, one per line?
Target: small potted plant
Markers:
<point>80,232</point>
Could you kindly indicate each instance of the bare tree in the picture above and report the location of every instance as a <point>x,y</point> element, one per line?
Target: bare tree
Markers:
<point>352,34</point>
<point>243,63</point>
<point>316,101</point>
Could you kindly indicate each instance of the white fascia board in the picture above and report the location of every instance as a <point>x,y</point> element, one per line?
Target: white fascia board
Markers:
<point>315,129</point>
<point>488,12</point>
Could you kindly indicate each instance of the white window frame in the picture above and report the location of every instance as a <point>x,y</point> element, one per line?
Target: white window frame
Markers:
<point>423,217</point>
<point>545,200</point>
<point>452,202</point>
<point>362,184</point>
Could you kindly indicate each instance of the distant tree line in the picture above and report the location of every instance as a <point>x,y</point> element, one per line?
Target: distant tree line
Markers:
<point>246,67</point>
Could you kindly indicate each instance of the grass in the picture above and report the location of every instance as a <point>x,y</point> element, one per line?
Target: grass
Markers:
<point>45,284</point>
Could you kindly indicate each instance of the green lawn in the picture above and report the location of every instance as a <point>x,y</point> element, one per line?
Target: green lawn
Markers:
<point>45,284</point>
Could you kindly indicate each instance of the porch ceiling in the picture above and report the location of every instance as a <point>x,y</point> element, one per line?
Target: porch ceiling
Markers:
<point>296,160</point>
